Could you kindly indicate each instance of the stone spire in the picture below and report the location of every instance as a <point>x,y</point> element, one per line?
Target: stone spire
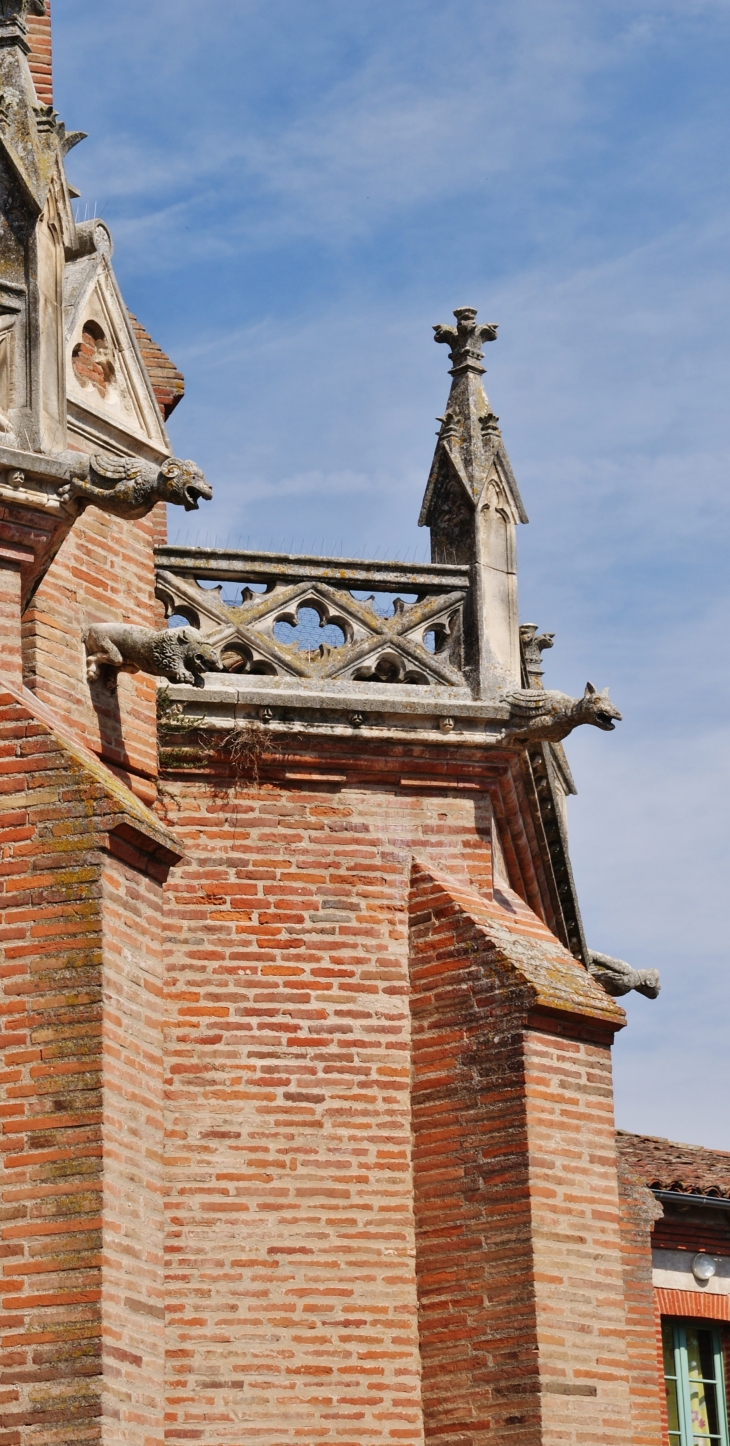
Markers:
<point>472,505</point>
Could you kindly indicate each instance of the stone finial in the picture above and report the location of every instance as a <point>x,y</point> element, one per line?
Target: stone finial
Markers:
<point>466,339</point>
<point>472,506</point>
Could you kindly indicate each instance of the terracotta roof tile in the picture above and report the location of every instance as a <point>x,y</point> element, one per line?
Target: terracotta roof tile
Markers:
<point>666,1165</point>
<point>168,384</point>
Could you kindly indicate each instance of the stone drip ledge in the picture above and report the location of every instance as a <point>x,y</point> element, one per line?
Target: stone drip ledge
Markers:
<point>337,710</point>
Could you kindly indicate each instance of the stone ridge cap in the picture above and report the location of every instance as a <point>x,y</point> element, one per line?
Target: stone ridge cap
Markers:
<point>126,803</point>
<point>680,1168</point>
<point>560,984</point>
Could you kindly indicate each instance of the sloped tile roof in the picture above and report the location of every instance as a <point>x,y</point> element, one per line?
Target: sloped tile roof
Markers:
<point>666,1165</point>
<point>168,384</point>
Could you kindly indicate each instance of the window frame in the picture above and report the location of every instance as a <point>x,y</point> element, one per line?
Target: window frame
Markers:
<point>681,1374</point>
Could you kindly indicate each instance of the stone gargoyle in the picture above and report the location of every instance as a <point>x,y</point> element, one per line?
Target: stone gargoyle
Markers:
<point>129,486</point>
<point>179,654</point>
<point>539,715</point>
<point>618,977</point>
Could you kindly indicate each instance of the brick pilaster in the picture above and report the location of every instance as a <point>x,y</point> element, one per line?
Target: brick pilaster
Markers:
<point>639,1210</point>
<point>81,868</point>
<point>11,662</point>
<point>522,1336</point>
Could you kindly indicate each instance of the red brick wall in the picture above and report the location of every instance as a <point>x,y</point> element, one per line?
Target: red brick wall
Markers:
<point>50,938</point>
<point>40,58</point>
<point>80,1095</point>
<point>581,1318</point>
<point>639,1211</point>
<point>104,572</point>
<point>522,1338</point>
<point>10,595</point>
<point>471,1187</point>
<point>292,1294</point>
<point>133,1302</point>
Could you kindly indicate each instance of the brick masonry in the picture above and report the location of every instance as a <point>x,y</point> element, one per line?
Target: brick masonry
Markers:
<point>515,1180</point>
<point>102,573</point>
<point>40,58</point>
<point>639,1212</point>
<point>305,1113</point>
<point>81,1013</point>
<point>293,1295</point>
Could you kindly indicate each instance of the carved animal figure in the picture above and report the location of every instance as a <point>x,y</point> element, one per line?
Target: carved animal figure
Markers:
<point>618,977</point>
<point>130,487</point>
<point>540,715</point>
<point>179,654</point>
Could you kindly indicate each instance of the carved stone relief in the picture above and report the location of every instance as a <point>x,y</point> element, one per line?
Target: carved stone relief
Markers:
<point>130,487</point>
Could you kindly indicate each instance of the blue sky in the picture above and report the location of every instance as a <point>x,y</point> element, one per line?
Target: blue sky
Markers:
<point>297,192</point>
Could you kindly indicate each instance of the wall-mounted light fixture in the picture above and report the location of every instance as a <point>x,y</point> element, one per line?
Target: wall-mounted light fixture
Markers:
<point>703,1267</point>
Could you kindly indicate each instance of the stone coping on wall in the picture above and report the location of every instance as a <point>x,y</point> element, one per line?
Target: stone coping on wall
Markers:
<point>332,706</point>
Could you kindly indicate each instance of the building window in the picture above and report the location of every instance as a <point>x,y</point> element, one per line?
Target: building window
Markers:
<point>693,1377</point>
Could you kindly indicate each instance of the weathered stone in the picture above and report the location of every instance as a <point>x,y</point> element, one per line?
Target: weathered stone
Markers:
<point>542,715</point>
<point>179,654</point>
<point>619,978</point>
<point>130,487</point>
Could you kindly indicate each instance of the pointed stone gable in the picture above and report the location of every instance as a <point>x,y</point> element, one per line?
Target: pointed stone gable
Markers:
<point>117,398</point>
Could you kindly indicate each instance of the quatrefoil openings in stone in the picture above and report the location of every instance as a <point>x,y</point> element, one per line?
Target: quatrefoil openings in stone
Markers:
<point>310,632</point>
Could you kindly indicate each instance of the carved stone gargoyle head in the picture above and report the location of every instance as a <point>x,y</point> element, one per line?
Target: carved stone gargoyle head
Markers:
<point>185,484</point>
<point>597,708</point>
<point>129,486</point>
